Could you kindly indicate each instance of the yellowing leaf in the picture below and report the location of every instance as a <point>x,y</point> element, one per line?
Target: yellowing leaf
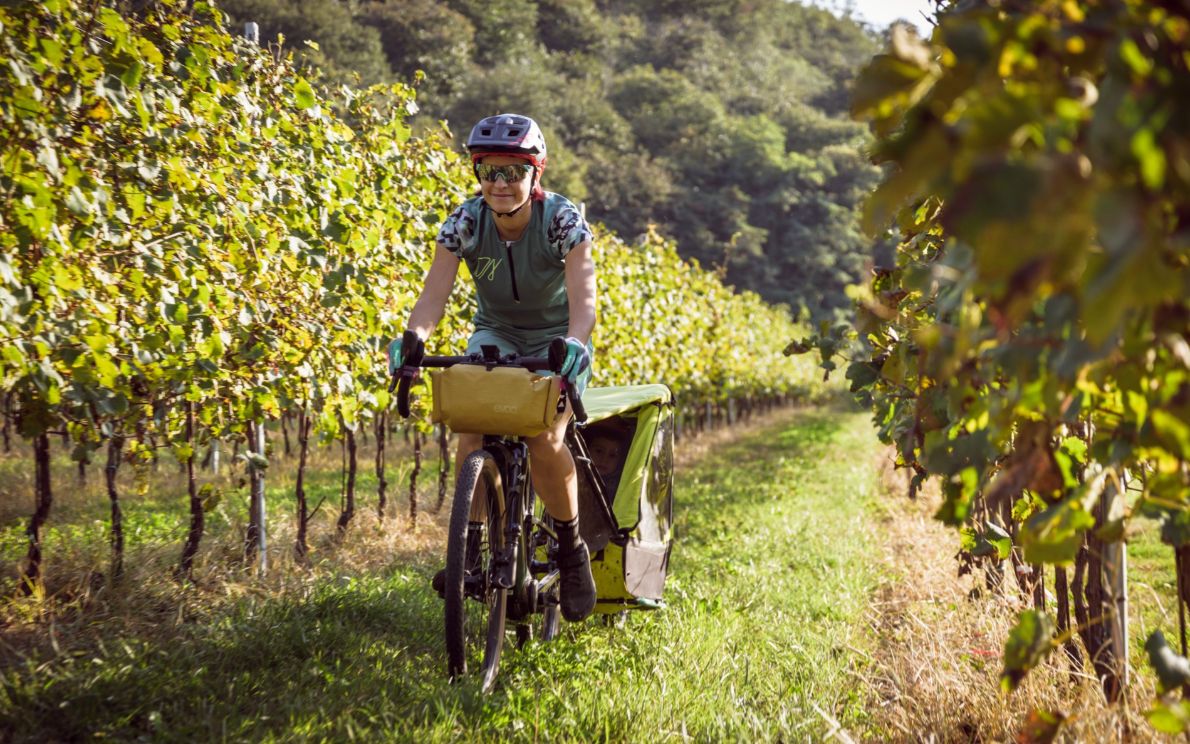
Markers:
<point>100,111</point>
<point>303,94</point>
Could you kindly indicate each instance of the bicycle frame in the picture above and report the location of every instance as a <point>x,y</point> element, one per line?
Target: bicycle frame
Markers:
<point>518,568</point>
<point>513,568</point>
<point>526,580</point>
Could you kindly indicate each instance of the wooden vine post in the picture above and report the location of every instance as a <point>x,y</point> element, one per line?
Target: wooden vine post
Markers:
<point>258,501</point>
<point>1115,581</point>
<point>194,535</point>
<point>417,440</point>
<point>1101,596</point>
<point>381,481</point>
<point>255,541</point>
<point>6,420</point>
<point>285,433</point>
<point>348,510</point>
<point>300,548</point>
<point>115,450</point>
<point>44,499</point>
<point>1182,571</point>
<point>1062,592</point>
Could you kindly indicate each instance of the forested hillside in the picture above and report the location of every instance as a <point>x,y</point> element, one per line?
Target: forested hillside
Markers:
<point>721,122</point>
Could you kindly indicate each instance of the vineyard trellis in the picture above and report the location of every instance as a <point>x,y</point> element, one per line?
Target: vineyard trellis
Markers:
<point>1028,348</point>
<point>198,247</point>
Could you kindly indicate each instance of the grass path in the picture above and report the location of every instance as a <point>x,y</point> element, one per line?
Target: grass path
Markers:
<point>762,639</point>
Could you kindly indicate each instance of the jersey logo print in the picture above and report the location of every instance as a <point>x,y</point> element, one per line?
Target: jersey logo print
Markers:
<point>487,267</point>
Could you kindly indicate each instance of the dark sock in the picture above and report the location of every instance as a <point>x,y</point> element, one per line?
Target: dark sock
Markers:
<point>568,537</point>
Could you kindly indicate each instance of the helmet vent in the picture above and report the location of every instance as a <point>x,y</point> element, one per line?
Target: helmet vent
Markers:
<point>504,134</point>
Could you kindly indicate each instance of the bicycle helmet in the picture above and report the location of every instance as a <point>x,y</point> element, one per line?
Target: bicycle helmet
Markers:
<point>508,134</point>
<point>514,135</point>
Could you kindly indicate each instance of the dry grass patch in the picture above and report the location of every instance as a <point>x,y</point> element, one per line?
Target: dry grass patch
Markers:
<point>937,655</point>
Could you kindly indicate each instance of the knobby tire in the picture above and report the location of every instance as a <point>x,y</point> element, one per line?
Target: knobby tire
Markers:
<point>478,467</point>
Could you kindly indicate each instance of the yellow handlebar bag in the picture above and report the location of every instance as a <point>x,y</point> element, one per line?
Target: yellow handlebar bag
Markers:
<point>510,401</point>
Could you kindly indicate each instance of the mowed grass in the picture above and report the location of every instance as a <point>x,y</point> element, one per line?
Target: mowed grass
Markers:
<point>1152,592</point>
<point>761,638</point>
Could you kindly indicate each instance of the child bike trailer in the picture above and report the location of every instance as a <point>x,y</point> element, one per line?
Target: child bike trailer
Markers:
<point>626,493</point>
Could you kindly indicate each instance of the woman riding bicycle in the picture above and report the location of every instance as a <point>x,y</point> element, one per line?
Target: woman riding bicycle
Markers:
<point>529,254</point>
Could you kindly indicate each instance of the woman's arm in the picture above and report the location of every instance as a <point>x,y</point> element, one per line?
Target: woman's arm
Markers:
<point>580,291</point>
<point>440,279</point>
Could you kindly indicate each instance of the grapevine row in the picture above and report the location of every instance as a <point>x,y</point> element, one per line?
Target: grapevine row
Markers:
<point>195,242</point>
<point>1028,348</point>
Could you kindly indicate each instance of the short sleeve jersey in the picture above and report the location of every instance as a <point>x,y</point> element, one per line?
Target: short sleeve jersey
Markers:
<point>520,285</point>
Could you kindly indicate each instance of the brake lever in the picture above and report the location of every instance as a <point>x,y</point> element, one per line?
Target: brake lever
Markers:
<point>399,374</point>
<point>402,379</point>
<point>576,403</point>
<point>557,353</point>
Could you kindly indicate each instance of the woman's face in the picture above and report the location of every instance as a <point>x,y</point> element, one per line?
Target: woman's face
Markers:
<point>500,195</point>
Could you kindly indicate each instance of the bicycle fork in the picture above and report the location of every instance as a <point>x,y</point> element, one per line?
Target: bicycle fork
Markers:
<point>504,564</point>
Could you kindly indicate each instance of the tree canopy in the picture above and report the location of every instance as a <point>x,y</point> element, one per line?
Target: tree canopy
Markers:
<point>720,123</point>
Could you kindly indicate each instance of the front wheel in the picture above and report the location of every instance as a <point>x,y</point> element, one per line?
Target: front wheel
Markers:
<point>471,547</point>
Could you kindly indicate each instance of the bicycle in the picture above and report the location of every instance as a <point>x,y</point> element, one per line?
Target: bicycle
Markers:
<point>514,572</point>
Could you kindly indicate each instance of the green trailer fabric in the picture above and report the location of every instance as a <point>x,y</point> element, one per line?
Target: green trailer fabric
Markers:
<point>630,571</point>
<point>643,403</point>
<point>605,402</point>
<point>631,496</point>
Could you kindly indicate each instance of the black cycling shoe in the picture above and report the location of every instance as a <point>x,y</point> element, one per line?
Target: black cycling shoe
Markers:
<point>577,584</point>
<point>474,541</point>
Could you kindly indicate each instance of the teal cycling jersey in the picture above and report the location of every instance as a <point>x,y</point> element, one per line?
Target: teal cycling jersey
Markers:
<point>520,285</point>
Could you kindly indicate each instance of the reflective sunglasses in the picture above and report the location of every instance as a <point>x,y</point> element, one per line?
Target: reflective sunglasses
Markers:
<point>509,173</point>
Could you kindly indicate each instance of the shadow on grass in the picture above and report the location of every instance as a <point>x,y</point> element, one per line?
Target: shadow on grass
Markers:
<point>367,650</point>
